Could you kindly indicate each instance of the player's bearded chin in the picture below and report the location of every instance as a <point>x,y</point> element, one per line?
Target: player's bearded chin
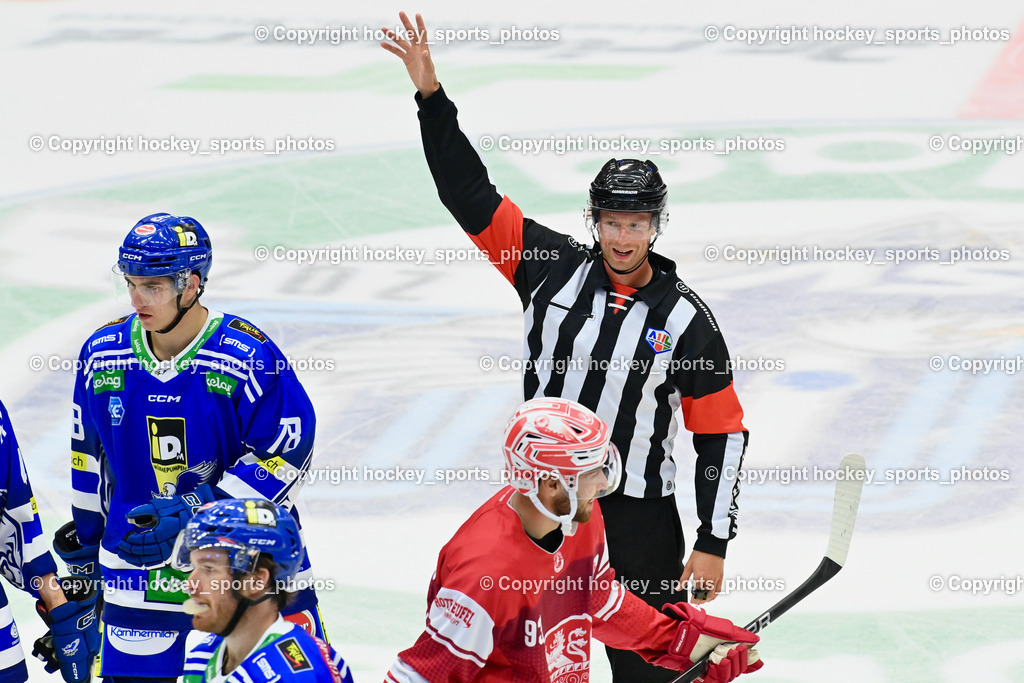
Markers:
<point>563,507</point>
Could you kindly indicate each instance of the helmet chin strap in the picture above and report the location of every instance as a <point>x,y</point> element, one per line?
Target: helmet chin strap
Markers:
<point>181,311</point>
<point>240,608</point>
<point>567,522</point>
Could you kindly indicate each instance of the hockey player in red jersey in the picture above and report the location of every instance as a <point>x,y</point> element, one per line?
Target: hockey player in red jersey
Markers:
<point>525,583</point>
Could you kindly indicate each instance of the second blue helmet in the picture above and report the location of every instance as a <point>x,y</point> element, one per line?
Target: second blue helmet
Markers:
<point>164,245</point>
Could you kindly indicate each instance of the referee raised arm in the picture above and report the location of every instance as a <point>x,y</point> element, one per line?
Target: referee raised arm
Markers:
<point>613,327</point>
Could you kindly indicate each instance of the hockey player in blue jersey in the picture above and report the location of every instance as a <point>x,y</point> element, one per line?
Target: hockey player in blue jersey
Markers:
<point>241,555</point>
<point>68,608</point>
<point>175,405</point>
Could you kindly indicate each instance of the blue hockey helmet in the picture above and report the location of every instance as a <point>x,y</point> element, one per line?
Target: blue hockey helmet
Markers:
<point>245,529</point>
<point>164,245</point>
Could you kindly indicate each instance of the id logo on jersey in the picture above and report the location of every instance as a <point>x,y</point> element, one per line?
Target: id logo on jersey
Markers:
<point>167,449</point>
<point>293,654</point>
<point>659,340</point>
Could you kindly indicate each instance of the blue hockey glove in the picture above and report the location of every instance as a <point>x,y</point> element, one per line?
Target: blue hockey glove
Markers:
<point>73,640</point>
<point>82,560</point>
<point>161,520</point>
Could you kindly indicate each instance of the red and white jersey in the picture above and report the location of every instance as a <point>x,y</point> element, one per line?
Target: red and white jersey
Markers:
<point>501,608</point>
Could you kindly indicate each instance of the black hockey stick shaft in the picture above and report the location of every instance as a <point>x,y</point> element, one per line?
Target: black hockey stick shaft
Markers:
<point>849,483</point>
<point>825,571</point>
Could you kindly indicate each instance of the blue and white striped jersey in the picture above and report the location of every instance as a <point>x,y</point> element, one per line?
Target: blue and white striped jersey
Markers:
<point>24,552</point>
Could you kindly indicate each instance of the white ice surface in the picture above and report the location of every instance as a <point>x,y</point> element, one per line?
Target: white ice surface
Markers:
<point>406,340</point>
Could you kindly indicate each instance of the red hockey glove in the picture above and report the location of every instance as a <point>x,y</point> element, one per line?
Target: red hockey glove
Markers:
<point>729,660</point>
<point>698,634</point>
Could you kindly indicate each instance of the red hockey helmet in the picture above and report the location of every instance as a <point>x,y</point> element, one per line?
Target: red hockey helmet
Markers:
<point>556,437</point>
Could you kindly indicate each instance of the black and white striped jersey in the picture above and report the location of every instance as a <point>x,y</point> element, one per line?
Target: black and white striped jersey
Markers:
<point>637,358</point>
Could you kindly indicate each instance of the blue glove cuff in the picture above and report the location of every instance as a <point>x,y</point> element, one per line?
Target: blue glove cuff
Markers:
<point>81,560</point>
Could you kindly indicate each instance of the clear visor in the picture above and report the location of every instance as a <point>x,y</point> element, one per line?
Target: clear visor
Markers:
<point>603,479</point>
<point>134,290</point>
<point>626,225</point>
<point>240,557</point>
<point>623,224</point>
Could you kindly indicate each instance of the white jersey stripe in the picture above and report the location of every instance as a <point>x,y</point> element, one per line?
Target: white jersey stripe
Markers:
<point>236,488</point>
<point>583,348</point>
<point>615,597</point>
<point>85,501</point>
<point>721,521</point>
<point>403,673</point>
<point>611,396</point>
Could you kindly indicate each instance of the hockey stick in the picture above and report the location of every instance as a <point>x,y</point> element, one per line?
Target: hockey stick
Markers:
<point>844,514</point>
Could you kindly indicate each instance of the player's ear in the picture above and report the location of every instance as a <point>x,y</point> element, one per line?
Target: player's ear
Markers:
<point>192,287</point>
<point>550,485</point>
<point>258,583</point>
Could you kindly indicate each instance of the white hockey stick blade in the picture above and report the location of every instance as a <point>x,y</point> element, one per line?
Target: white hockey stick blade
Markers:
<point>849,483</point>
<point>850,478</point>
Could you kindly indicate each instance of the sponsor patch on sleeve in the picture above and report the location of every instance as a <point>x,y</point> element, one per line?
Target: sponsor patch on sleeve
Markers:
<point>294,655</point>
<point>243,326</point>
<point>271,464</point>
<point>79,461</point>
<point>112,322</point>
<point>216,383</point>
<point>107,380</point>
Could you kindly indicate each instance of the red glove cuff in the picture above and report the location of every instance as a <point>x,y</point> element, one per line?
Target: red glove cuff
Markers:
<point>730,667</point>
<point>696,622</point>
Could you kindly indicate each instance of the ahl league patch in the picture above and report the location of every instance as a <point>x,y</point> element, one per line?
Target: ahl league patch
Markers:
<point>660,340</point>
